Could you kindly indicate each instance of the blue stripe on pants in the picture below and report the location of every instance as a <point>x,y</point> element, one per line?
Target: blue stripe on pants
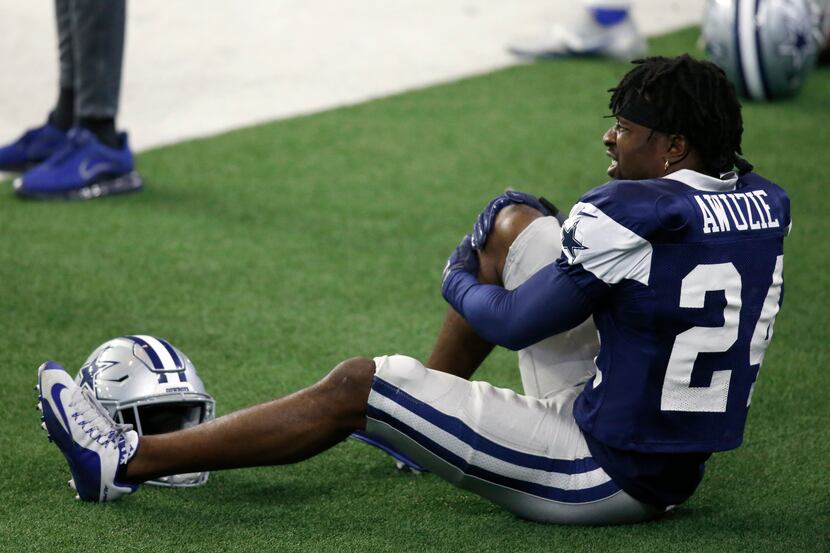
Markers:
<point>464,433</point>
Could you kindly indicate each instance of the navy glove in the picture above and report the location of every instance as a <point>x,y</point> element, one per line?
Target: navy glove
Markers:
<point>464,258</point>
<point>484,223</point>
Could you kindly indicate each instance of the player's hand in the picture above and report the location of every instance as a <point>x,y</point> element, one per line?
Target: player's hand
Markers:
<point>487,217</point>
<point>464,258</point>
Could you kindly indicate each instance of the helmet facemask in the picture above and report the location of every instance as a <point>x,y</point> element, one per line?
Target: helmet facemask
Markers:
<point>155,415</point>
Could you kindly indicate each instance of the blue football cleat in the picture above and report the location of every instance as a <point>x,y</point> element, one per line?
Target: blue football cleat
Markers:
<point>96,448</point>
<point>36,145</point>
<point>402,462</point>
<point>82,169</point>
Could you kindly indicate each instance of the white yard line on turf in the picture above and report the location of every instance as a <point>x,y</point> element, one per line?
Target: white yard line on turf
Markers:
<point>197,67</point>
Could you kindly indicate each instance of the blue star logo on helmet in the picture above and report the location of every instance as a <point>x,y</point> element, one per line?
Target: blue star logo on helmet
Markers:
<point>569,241</point>
<point>765,48</point>
<point>90,370</point>
<point>797,44</point>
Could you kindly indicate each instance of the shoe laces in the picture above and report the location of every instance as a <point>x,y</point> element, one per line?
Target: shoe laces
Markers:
<point>96,422</point>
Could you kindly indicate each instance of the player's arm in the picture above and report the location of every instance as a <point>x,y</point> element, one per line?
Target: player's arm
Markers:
<point>458,348</point>
<point>546,304</point>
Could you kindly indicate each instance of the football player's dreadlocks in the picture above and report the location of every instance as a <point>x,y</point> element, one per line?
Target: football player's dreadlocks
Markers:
<point>686,96</point>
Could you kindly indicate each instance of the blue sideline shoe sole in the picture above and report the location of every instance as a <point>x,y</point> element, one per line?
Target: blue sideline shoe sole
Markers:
<point>131,182</point>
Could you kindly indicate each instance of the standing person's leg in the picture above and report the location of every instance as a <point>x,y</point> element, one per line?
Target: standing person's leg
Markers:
<point>97,161</point>
<point>98,30</point>
<point>63,116</point>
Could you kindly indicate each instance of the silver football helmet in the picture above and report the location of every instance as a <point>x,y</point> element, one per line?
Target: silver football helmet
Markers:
<point>146,382</point>
<point>821,16</point>
<point>765,47</point>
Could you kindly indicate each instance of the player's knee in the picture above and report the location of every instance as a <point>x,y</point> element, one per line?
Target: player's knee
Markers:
<point>351,381</point>
<point>509,224</point>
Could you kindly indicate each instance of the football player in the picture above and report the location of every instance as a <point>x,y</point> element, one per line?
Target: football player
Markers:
<point>677,261</point>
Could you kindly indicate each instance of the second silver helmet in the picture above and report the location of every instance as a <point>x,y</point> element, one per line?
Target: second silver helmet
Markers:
<point>765,47</point>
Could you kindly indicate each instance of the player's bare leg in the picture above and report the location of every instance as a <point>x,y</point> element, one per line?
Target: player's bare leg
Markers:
<point>458,349</point>
<point>305,423</point>
<point>285,430</point>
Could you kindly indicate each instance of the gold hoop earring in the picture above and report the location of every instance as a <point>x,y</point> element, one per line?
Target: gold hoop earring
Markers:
<point>666,166</point>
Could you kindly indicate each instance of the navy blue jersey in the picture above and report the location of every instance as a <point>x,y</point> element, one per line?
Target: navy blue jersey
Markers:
<point>685,275</point>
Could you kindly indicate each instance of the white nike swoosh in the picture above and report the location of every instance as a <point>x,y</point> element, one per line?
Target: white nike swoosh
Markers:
<point>60,414</point>
<point>87,172</point>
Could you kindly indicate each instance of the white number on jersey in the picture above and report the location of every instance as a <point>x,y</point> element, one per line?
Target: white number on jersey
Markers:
<point>678,394</point>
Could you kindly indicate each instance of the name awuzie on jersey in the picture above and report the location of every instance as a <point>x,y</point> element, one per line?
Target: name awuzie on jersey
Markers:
<point>738,211</point>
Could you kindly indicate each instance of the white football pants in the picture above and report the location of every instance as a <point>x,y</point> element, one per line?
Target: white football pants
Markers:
<point>523,452</point>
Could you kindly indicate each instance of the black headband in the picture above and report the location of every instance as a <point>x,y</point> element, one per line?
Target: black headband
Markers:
<point>636,109</point>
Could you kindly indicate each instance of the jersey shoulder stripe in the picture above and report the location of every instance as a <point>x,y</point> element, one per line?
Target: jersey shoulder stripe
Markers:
<point>604,247</point>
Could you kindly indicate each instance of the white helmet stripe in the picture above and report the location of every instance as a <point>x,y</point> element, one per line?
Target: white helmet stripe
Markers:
<point>167,361</point>
<point>173,353</point>
<point>750,63</point>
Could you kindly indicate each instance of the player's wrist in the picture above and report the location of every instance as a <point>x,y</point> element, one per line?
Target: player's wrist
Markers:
<point>455,288</point>
<point>459,272</point>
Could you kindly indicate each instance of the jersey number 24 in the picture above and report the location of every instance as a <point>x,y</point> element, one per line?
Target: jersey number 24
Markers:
<point>678,393</point>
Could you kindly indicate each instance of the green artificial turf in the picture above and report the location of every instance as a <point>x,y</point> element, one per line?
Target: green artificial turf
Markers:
<point>271,253</point>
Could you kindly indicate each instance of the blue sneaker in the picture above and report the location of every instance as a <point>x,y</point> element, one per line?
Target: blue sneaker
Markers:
<point>83,169</point>
<point>402,462</point>
<point>35,146</point>
<point>96,448</point>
